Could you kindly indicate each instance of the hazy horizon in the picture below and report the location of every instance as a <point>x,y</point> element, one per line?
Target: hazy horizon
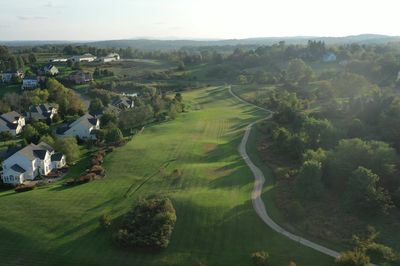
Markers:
<point>192,20</point>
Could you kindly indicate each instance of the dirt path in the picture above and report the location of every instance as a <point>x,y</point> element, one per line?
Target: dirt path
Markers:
<point>258,203</point>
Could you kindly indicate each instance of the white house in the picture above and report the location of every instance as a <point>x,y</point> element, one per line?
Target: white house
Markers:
<point>110,58</point>
<point>29,83</point>
<point>41,112</point>
<point>84,127</point>
<point>329,57</point>
<point>31,161</point>
<point>12,122</point>
<point>6,77</point>
<point>82,58</point>
<point>49,70</point>
<point>58,60</point>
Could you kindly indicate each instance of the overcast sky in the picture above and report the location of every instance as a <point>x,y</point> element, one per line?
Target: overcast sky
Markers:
<point>194,19</point>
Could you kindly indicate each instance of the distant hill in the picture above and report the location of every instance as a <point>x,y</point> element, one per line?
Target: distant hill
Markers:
<point>147,44</point>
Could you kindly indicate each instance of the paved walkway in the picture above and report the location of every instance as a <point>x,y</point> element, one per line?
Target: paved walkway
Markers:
<point>258,203</point>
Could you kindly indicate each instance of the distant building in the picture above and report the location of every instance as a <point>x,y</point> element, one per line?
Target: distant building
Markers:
<point>123,102</point>
<point>30,162</point>
<point>110,58</point>
<point>7,77</point>
<point>84,127</point>
<point>82,58</point>
<point>29,83</point>
<point>12,122</point>
<point>80,77</point>
<point>58,60</point>
<point>49,70</point>
<point>41,112</point>
<point>329,57</point>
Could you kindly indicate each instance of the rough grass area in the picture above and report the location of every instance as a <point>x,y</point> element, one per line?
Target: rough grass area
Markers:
<point>194,161</point>
<point>327,221</point>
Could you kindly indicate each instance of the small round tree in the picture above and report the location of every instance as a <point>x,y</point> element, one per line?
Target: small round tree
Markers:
<point>260,258</point>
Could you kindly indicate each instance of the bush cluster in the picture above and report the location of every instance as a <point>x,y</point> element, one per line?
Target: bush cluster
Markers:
<point>148,225</point>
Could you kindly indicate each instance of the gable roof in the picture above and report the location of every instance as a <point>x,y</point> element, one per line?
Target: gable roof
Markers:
<point>30,78</point>
<point>40,111</point>
<point>10,117</point>
<point>124,101</point>
<point>86,120</point>
<point>17,168</point>
<point>33,151</point>
<point>56,157</point>
<point>7,125</point>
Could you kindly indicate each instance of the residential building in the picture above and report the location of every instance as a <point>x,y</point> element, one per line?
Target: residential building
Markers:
<point>58,60</point>
<point>80,77</point>
<point>49,70</point>
<point>30,83</point>
<point>123,102</point>
<point>110,58</point>
<point>7,77</point>
<point>41,112</point>
<point>30,162</point>
<point>329,57</point>
<point>12,122</point>
<point>84,127</point>
<point>82,58</point>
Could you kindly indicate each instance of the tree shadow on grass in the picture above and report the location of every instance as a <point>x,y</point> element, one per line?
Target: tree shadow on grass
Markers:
<point>17,249</point>
<point>236,176</point>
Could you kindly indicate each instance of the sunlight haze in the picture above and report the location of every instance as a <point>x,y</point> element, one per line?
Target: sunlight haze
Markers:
<point>190,19</point>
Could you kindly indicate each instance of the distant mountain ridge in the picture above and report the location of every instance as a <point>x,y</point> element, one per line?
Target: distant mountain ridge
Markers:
<point>153,44</point>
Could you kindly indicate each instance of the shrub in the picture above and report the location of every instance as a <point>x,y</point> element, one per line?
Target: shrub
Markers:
<point>97,169</point>
<point>260,258</point>
<point>381,253</point>
<point>87,178</point>
<point>292,263</point>
<point>24,188</point>
<point>105,221</point>
<point>148,225</point>
<point>352,258</point>
<point>71,182</point>
<point>308,182</point>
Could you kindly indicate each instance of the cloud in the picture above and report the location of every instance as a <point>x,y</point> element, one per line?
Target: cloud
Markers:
<point>31,17</point>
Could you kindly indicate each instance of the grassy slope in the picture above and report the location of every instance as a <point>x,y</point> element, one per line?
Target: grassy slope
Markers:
<point>216,222</point>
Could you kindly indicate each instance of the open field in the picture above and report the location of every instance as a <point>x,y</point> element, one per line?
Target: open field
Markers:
<point>216,221</point>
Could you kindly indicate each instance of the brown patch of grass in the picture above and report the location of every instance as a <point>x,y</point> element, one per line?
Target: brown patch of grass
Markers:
<point>209,147</point>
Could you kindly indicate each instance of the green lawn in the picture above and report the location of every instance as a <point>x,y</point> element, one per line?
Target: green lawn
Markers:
<point>216,222</point>
<point>9,88</point>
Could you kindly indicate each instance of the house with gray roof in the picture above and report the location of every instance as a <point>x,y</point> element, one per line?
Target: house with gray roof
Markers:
<point>49,70</point>
<point>7,77</point>
<point>41,112</point>
<point>12,122</point>
<point>82,58</point>
<point>30,83</point>
<point>123,102</point>
<point>31,161</point>
<point>84,127</point>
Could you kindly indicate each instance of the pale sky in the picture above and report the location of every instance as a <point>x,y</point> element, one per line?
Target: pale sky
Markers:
<point>194,19</point>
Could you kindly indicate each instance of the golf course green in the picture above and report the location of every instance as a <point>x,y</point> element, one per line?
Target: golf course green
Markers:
<point>216,222</point>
